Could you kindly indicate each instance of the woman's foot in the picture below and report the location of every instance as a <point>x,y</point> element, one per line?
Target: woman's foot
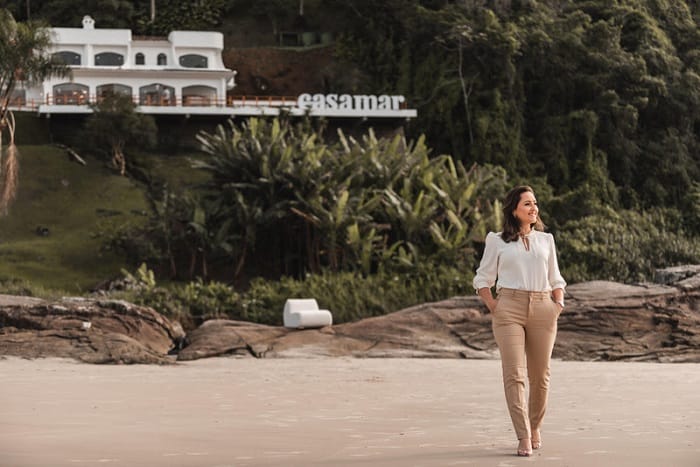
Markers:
<point>536,439</point>
<point>524,448</point>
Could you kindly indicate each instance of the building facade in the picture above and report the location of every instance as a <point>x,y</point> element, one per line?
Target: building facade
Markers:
<point>184,70</point>
<point>182,74</point>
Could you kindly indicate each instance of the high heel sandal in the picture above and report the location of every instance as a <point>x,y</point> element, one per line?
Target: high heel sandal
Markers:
<point>536,440</point>
<point>524,452</point>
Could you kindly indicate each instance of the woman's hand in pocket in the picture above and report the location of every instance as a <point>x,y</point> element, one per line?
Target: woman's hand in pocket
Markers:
<point>492,305</point>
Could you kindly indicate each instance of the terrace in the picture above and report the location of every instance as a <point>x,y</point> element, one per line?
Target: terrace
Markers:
<point>77,100</point>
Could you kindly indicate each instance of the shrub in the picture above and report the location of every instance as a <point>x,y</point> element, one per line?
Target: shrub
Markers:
<point>351,296</point>
<point>21,287</point>
<point>208,300</point>
<point>624,246</point>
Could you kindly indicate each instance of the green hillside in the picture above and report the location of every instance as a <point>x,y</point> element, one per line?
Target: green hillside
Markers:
<point>55,231</point>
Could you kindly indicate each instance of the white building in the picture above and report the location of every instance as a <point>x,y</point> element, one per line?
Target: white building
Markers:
<point>162,76</point>
<point>183,75</point>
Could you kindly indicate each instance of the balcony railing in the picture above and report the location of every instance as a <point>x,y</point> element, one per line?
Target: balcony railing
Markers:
<point>81,99</point>
<point>187,101</point>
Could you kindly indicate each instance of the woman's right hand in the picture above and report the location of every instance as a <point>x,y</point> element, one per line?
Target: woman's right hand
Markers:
<point>492,305</point>
<point>487,298</point>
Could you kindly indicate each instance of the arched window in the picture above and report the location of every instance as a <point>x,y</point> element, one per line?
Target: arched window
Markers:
<point>112,89</point>
<point>109,59</point>
<point>140,59</point>
<point>162,60</point>
<point>18,97</point>
<point>157,94</point>
<point>198,96</point>
<point>193,61</point>
<point>68,58</point>
<point>71,94</point>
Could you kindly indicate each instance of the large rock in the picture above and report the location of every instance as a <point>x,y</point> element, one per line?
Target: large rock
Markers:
<point>602,321</point>
<point>608,321</point>
<point>94,331</point>
<point>454,328</point>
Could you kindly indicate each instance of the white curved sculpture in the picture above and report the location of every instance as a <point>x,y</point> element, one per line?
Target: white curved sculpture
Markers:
<point>302,313</point>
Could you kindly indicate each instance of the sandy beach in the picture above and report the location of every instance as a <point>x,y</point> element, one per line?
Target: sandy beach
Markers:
<point>339,412</point>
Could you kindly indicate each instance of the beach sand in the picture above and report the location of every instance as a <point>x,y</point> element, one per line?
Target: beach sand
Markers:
<point>339,412</point>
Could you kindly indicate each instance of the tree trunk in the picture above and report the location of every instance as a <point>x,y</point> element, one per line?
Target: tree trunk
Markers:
<point>119,160</point>
<point>9,165</point>
<point>193,263</point>
<point>466,92</point>
<point>241,261</point>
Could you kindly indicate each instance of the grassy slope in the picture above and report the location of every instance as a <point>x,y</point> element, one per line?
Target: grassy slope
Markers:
<point>80,205</point>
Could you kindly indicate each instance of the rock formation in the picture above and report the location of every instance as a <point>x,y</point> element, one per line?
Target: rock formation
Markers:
<point>93,331</point>
<point>602,321</point>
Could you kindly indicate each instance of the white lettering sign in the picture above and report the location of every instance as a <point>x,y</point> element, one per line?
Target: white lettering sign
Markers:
<point>349,102</point>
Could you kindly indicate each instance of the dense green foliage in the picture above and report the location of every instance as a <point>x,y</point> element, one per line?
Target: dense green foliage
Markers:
<point>600,97</point>
<point>350,296</point>
<point>135,15</point>
<point>624,246</point>
<point>299,204</point>
<point>375,204</point>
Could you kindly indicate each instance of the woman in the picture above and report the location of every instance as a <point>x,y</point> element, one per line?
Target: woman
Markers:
<point>522,262</point>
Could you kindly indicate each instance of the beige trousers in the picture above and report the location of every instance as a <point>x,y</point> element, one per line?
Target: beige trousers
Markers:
<point>525,327</point>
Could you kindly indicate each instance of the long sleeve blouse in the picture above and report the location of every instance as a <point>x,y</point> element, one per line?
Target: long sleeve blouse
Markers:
<point>512,266</point>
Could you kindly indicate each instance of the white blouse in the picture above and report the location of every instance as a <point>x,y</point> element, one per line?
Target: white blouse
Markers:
<point>535,270</point>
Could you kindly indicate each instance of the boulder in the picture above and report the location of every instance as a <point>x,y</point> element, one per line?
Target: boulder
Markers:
<point>94,331</point>
<point>219,337</point>
<point>648,322</point>
<point>602,321</point>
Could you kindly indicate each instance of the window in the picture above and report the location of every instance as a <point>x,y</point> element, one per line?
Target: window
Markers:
<point>18,97</point>
<point>193,61</point>
<point>112,89</point>
<point>198,96</point>
<point>71,94</point>
<point>140,59</point>
<point>157,94</point>
<point>68,58</point>
<point>109,59</point>
<point>162,60</point>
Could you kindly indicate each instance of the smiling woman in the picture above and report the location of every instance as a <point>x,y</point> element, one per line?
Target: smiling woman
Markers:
<point>522,262</point>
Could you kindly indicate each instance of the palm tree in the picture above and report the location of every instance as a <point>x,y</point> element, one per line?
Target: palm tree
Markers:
<point>23,48</point>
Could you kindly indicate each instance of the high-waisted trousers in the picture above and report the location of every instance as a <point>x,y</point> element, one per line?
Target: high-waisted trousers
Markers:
<point>525,326</point>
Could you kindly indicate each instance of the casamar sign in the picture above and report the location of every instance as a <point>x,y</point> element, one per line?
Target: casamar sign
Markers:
<point>349,102</point>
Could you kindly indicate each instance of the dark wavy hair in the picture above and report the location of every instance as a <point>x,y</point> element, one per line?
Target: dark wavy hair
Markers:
<point>511,225</point>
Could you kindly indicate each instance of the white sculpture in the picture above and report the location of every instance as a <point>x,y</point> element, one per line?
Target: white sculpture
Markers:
<point>302,313</point>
